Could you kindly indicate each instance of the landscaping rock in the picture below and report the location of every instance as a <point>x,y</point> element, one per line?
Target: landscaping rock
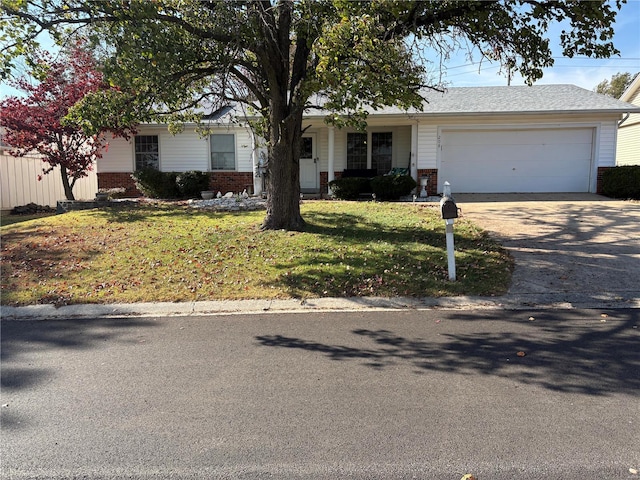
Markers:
<point>31,209</point>
<point>230,204</point>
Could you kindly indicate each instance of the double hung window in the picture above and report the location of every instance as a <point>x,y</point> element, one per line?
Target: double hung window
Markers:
<point>147,153</point>
<point>223,151</point>
<point>357,151</point>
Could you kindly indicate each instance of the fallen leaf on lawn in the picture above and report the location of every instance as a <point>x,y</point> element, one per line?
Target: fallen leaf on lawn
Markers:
<point>521,354</point>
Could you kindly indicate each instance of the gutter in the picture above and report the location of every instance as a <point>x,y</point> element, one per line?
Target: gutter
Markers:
<point>414,115</point>
<point>626,116</point>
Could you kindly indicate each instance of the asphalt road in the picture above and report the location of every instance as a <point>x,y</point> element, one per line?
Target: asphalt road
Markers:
<point>403,394</point>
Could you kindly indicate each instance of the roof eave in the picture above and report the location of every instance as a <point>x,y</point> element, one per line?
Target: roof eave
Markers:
<point>628,93</point>
<point>493,113</point>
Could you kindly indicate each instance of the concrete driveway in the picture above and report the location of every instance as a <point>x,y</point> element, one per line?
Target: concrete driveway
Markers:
<point>577,249</point>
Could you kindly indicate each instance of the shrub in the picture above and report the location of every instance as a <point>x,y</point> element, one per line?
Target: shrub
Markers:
<point>350,188</point>
<point>621,182</point>
<point>190,184</point>
<point>156,184</point>
<point>392,187</point>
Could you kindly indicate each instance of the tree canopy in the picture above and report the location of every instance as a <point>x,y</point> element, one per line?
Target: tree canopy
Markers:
<point>617,85</point>
<point>172,57</point>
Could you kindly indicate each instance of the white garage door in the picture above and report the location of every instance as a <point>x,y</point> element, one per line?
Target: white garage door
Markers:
<point>505,161</point>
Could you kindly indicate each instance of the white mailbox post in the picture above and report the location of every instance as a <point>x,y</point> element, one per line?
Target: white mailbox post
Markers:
<point>449,211</point>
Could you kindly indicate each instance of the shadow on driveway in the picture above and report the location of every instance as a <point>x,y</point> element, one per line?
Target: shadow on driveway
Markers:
<point>565,243</point>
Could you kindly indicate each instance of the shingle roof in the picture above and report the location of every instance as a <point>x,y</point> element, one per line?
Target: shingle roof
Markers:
<point>521,99</point>
<point>459,101</point>
<point>513,99</point>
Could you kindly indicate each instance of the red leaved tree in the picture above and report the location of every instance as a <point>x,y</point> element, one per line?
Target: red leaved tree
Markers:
<point>35,123</point>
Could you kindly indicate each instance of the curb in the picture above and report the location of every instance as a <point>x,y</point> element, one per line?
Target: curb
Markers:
<point>630,300</point>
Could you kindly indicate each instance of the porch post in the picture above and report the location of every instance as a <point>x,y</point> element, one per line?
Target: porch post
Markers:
<point>255,157</point>
<point>330,167</point>
<point>414,152</point>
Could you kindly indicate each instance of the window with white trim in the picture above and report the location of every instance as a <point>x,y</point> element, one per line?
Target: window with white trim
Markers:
<point>357,150</point>
<point>147,152</point>
<point>223,151</point>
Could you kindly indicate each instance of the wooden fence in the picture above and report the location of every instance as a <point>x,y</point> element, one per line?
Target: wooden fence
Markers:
<point>20,184</point>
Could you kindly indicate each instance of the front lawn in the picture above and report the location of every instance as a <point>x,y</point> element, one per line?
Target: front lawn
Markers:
<point>175,253</point>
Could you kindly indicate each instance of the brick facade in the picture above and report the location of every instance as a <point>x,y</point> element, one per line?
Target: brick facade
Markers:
<point>432,185</point>
<point>235,182</point>
<point>223,182</point>
<point>601,170</point>
<point>118,180</point>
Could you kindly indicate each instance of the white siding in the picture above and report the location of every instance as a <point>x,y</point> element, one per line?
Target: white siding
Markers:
<point>178,153</point>
<point>427,146</point>
<point>341,150</point>
<point>20,185</point>
<point>628,152</point>
<point>244,162</point>
<point>606,154</point>
<point>118,157</point>
<point>402,146</point>
<point>183,152</point>
<point>322,149</point>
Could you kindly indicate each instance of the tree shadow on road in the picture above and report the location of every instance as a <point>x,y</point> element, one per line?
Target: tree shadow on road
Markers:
<point>20,339</point>
<point>593,358</point>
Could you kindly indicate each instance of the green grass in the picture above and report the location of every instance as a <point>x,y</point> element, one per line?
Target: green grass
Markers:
<point>173,253</point>
<point>11,219</point>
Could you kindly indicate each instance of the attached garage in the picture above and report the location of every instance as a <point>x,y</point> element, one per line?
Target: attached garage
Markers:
<point>505,160</point>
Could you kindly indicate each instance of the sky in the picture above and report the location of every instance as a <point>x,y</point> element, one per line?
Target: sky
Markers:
<point>582,71</point>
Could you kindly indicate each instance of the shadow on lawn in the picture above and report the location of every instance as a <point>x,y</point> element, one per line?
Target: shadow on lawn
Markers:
<point>590,358</point>
<point>382,259</point>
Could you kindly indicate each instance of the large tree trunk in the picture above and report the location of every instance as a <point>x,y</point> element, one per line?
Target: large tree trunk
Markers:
<point>283,178</point>
<point>68,187</point>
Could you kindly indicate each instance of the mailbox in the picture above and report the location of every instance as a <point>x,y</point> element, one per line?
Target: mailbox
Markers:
<point>448,208</point>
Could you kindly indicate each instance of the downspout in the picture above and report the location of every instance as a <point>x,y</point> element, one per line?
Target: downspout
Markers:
<point>626,116</point>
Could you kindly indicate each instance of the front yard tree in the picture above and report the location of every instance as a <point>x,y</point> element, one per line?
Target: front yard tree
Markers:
<point>34,123</point>
<point>278,56</point>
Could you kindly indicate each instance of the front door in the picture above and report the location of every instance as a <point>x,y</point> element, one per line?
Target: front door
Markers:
<point>309,165</point>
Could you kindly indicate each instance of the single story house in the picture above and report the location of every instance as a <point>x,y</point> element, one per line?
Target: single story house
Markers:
<point>628,149</point>
<point>544,138</point>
